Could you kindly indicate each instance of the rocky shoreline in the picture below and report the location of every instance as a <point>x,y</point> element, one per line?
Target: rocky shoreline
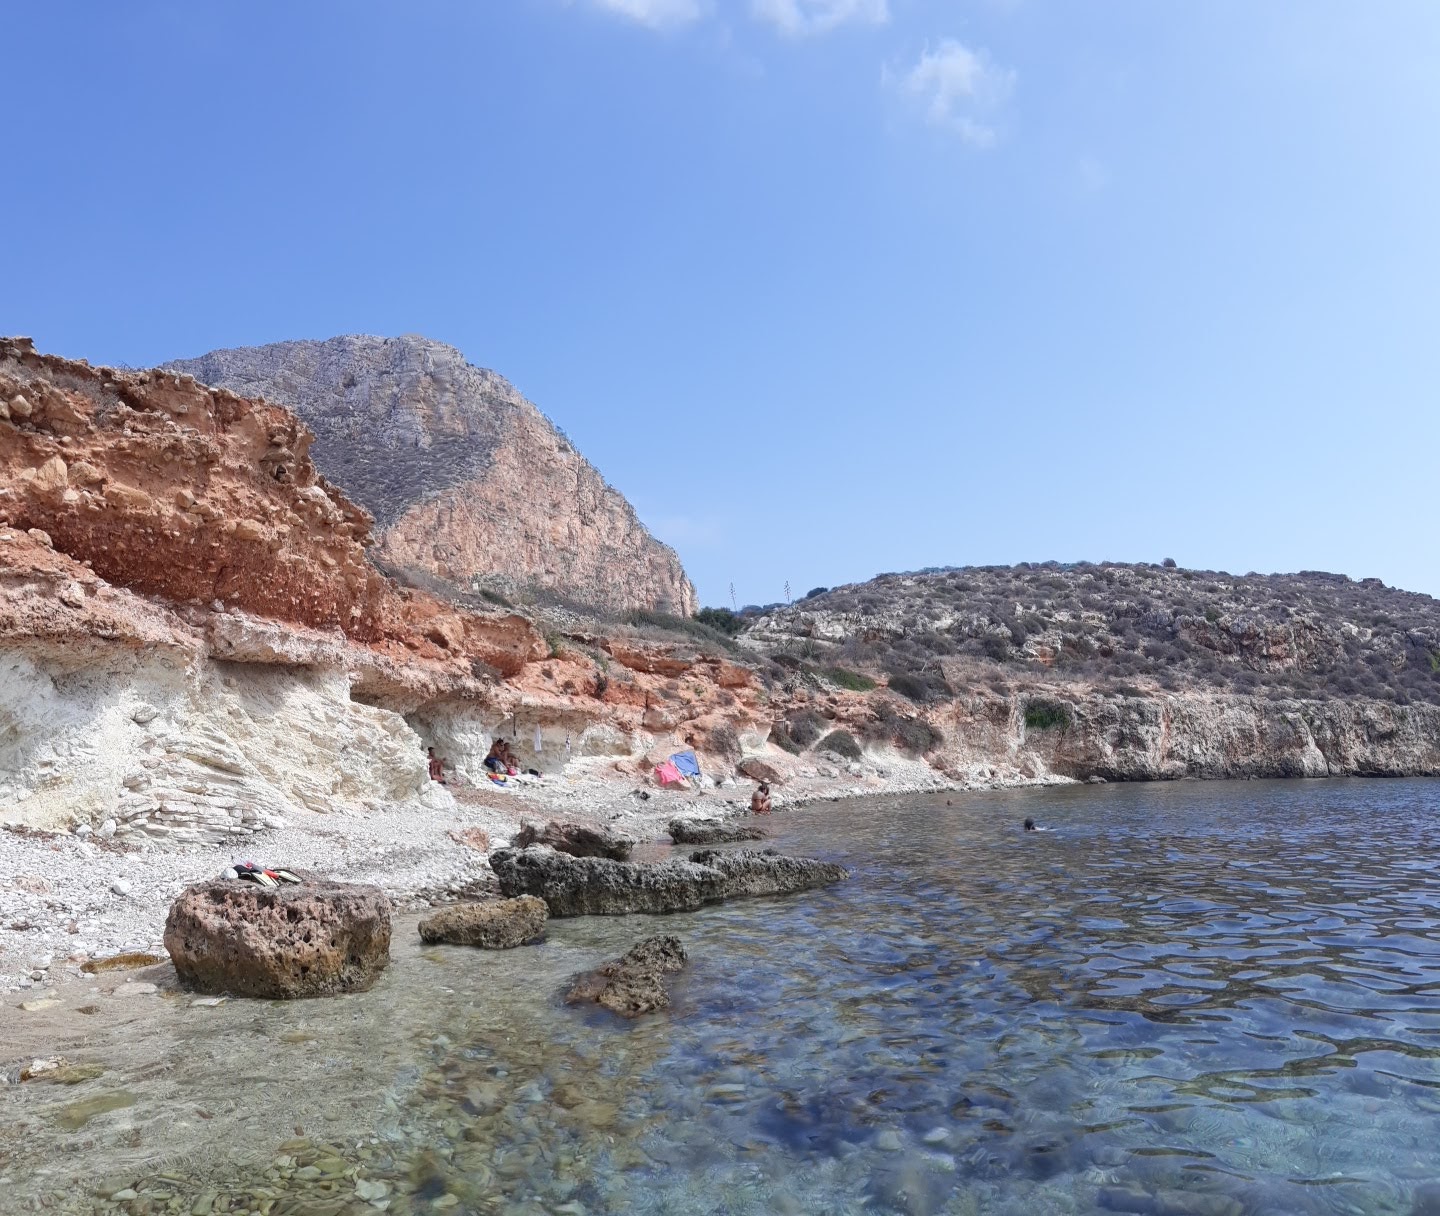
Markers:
<point>67,898</point>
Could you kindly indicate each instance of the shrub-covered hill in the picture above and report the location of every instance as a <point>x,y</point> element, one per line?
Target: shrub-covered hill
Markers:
<point>1124,628</point>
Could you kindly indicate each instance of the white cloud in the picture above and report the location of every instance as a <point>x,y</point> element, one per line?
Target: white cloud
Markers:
<point>800,17</point>
<point>655,13</point>
<point>956,88</point>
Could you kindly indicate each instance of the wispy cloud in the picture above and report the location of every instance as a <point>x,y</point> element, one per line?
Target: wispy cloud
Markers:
<point>957,88</point>
<point>655,13</point>
<point>801,17</point>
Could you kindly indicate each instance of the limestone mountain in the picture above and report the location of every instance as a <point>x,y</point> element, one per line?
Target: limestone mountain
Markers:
<point>467,480</point>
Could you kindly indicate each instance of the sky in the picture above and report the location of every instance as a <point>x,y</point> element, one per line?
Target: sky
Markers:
<point>825,287</point>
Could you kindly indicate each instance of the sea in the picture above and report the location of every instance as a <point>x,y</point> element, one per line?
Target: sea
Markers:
<point>1177,999</point>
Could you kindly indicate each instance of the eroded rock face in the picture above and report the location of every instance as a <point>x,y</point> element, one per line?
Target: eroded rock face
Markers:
<point>595,886</point>
<point>576,839</point>
<point>501,925</point>
<point>712,831</point>
<point>766,872</point>
<point>635,983</point>
<point>313,939</point>
<point>463,475</point>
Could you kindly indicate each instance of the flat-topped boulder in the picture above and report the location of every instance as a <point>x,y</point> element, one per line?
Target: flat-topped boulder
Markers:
<point>314,938</point>
<point>633,984</point>
<point>766,872</point>
<point>713,831</point>
<point>596,886</point>
<point>576,839</point>
<point>501,924</point>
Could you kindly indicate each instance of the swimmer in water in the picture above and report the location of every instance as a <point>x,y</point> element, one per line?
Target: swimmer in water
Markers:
<point>1030,825</point>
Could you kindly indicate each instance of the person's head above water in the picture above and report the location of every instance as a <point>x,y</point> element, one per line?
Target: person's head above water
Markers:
<point>1029,825</point>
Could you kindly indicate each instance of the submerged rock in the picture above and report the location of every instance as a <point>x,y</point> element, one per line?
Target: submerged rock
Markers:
<point>316,938</point>
<point>576,839</point>
<point>500,925</point>
<point>596,886</point>
<point>712,831</point>
<point>633,984</point>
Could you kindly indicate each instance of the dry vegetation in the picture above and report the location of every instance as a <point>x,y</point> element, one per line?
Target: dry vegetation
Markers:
<point>1122,628</point>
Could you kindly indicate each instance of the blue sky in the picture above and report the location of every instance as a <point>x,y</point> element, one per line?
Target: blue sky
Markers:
<point>826,287</point>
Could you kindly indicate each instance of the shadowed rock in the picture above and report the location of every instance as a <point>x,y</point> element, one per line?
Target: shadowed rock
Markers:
<point>634,984</point>
<point>712,831</point>
<point>760,770</point>
<point>312,939</point>
<point>596,886</point>
<point>576,839</point>
<point>501,925</point>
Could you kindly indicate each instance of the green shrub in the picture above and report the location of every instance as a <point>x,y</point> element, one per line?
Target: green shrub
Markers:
<point>843,677</point>
<point>842,743</point>
<point>1045,715</point>
<point>722,620</point>
<point>916,736</point>
<point>723,741</point>
<point>911,687</point>
<point>693,627</point>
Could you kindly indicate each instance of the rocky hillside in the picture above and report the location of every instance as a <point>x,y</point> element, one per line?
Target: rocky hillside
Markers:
<point>194,643</point>
<point>1120,628</point>
<point>466,479</point>
<point>1114,672</point>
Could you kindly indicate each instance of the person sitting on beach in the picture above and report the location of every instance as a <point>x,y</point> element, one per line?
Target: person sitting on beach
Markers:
<point>495,758</point>
<point>437,766</point>
<point>507,757</point>
<point>760,800</point>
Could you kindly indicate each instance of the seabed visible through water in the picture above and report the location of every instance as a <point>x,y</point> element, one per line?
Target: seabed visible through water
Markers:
<point>1193,999</point>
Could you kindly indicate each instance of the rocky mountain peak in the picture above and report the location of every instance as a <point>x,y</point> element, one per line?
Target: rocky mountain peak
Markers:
<point>467,480</point>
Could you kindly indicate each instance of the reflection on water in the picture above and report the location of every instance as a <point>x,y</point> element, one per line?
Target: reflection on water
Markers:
<point>1214,999</point>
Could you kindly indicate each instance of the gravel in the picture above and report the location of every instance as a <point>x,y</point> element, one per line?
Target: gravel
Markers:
<point>66,898</point>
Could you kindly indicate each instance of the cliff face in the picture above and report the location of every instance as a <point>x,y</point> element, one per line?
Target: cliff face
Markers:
<point>463,475</point>
<point>194,646</point>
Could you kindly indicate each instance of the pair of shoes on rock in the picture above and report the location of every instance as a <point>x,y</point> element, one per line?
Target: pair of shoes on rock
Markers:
<point>248,871</point>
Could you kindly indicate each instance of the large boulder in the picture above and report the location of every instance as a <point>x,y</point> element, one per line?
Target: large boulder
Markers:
<point>315,938</point>
<point>712,831</point>
<point>635,983</point>
<point>576,839</point>
<point>595,886</point>
<point>766,872</point>
<point>500,925</point>
<point>760,770</point>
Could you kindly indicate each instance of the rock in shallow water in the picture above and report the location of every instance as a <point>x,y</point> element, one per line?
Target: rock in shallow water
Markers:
<point>311,939</point>
<point>595,886</point>
<point>633,984</point>
<point>501,925</point>
<point>712,831</point>
<point>576,839</point>
<point>766,872</point>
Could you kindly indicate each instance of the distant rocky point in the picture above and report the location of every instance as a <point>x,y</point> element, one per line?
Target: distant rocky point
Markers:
<point>466,479</point>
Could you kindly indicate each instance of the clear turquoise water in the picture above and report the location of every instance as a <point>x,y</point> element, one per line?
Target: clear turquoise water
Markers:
<point>1218,998</point>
